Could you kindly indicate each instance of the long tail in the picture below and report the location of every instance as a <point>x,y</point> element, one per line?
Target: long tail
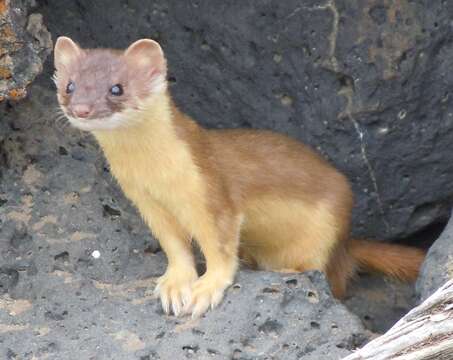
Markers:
<point>398,261</point>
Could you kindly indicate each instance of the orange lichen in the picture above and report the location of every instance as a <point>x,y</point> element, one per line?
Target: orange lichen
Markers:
<point>7,33</point>
<point>5,73</point>
<point>4,6</point>
<point>16,94</point>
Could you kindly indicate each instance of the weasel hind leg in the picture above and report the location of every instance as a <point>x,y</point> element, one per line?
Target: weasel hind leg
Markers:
<point>293,236</point>
<point>340,270</point>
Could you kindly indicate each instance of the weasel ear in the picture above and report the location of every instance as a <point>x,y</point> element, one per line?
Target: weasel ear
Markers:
<point>65,52</point>
<point>147,57</point>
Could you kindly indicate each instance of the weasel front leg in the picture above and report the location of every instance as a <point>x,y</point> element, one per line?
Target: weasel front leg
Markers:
<point>218,239</point>
<point>174,286</point>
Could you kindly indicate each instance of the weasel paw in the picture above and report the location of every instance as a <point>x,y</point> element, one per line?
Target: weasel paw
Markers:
<point>206,292</point>
<point>174,289</point>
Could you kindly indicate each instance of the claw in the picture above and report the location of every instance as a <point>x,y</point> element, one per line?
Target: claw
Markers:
<point>156,291</point>
<point>207,293</point>
<point>165,303</point>
<point>176,308</point>
<point>186,297</point>
<point>173,288</point>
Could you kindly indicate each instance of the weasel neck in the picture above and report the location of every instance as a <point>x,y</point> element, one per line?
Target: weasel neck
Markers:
<point>153,122</point>
<point>157,125</point>
<point>152,155</point>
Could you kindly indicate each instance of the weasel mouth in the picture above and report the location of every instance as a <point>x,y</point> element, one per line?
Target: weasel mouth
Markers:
<point>99,123</point>
<point>85,118</point>
<point>70,114</point>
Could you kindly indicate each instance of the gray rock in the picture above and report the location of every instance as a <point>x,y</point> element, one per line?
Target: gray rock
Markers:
<point>367,83</point>
<point>264,315</point>
<point>24,45</point>
<point>438,266</point>
<point>379,301</point>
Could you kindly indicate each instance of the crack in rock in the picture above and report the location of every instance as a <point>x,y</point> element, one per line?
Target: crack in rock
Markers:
<point>331,63</point>
<point>332,60</point>
<point>333,35</point>
<point>347,92</point>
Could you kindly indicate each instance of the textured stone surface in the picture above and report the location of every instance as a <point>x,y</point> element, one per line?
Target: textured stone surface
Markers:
<point>366,82</point>
<point>438,266</point>
<point>264,315</point>
<point>379,301</point>
<point>24,45</point>
<point>58,204</point>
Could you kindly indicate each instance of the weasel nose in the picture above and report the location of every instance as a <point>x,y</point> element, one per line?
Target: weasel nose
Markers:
<point>81,110</point>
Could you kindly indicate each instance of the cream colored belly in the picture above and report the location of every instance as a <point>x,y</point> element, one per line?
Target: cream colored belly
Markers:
<point>287,235</point>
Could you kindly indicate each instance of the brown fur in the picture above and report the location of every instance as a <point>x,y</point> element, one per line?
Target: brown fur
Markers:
<point>303,175</point>
<point>401,262</point>
<point>255,194</point>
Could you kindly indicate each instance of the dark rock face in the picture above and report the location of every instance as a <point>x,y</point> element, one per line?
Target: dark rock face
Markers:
<point>24,45</point>
<point>438,266</point>
<point>367,83</point>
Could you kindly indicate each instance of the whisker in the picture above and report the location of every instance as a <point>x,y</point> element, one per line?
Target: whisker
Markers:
<point>61,123</point>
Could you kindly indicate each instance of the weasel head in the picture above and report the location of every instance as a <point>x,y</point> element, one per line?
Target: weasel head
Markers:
<point>100,89</point>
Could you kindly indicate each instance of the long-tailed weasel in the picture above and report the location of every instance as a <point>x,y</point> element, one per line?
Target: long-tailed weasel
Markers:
<point>249,194</point>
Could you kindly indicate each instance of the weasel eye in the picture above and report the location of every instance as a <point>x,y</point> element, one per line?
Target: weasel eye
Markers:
<point>116,90</point>
<point>70,87</point>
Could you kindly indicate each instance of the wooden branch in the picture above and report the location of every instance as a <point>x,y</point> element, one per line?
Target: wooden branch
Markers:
<point>426,332</point>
